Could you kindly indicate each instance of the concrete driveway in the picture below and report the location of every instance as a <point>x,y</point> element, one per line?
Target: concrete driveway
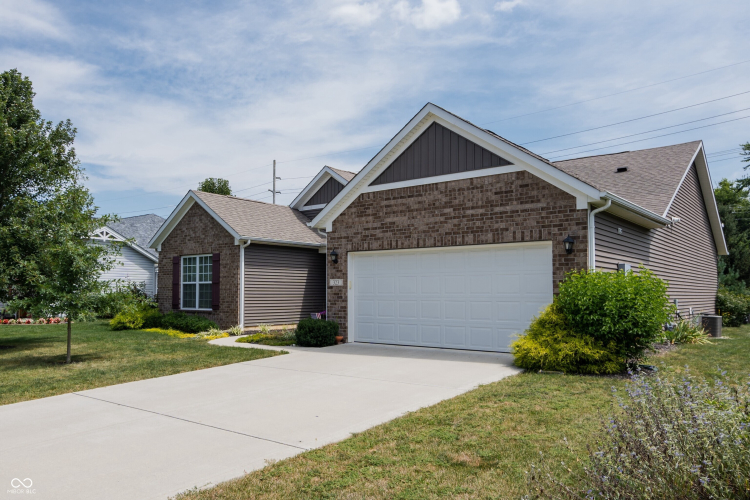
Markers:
<point>155,438</point>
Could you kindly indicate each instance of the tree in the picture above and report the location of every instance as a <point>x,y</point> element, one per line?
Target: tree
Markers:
<point>216,186</point>
<point>47,264</point>
<point>733,201</point>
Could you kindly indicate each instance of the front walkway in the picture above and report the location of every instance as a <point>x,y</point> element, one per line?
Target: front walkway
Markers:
<point>155,438</point>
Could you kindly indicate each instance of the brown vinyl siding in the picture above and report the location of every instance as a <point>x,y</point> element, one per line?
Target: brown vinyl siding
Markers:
<point>685,255</point>
<point>283,284</point>
<point>326,193</point>
<point>438,151</point>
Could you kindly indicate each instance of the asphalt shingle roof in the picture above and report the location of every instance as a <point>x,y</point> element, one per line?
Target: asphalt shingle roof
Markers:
<point>652,177</point>
<point>257,219</point>
<point>344,173</point>
<point>141,228</point>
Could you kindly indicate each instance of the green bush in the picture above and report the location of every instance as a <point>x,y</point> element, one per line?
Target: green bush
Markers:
<point>136,317</point>
<point>551,344</point>
<point>686,332</point>
<point>628,309</point>
<point>734,306</point>
<point>187,323</point>
<point>109,304</point>
<point>316,332</point>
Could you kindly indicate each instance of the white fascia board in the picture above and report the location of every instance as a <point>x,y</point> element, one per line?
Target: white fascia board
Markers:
<point>315,184</point>
<point>583,192</point>
<point>704,176</point>
<point>642,216</point>
<point>132,245</point>
<point>287,243</point>
<point>179,212</point>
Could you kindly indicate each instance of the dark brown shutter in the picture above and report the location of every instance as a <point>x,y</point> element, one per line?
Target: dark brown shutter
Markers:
<point>215,298</point>
<point>176,282</point>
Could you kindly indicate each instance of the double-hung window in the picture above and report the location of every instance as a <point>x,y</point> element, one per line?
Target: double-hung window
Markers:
<point>197,275</point>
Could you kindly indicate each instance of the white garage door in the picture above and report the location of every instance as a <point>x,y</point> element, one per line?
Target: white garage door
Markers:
<point>471,297</point>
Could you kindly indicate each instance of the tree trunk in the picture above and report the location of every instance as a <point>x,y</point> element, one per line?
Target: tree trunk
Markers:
<point>68,358</point>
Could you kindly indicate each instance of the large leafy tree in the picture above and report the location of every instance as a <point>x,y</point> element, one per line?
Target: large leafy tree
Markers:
<point>215,185</point>
<point>47,263</point>
<point>733,200</point>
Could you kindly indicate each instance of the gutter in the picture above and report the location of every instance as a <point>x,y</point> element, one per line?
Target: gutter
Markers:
<point>285,242</point>
<point>592,242</point>
<point>242,283</point>
<point>637,209</point>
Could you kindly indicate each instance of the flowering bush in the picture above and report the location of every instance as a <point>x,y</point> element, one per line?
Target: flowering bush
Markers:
<point>41,321</point>
<point>5,321</point>
<point>56,320</point>
<point>687,439</point>
<point>11,322</point>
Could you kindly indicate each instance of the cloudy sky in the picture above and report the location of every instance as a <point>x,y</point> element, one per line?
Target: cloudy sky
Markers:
<point>165,94</point>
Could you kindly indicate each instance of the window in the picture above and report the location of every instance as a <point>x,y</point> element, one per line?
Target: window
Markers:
<point>197,275</point>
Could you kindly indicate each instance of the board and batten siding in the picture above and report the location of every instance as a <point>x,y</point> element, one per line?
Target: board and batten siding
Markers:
<point>132,266</point>
<point>684,255</point>
<point>283,284</point>
<point>326,193</point>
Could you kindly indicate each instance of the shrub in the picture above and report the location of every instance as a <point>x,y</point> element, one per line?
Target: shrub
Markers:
<point>626,308</point>
<point>316,332</point>
<point>111,303</point>
<point>550,344</point>
<point>187,323</point>
<point>236,330</point>
<point>11,321</point>
<point>686,332</point>
<point>135,317</point>
<point>734,306</point>
<point>686,439</point>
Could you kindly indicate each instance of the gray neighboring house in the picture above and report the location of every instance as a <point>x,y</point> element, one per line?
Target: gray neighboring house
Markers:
<point>137,262</point>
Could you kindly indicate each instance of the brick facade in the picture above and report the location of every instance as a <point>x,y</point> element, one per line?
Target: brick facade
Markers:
<point>504,208</point>
<point>199,233</point>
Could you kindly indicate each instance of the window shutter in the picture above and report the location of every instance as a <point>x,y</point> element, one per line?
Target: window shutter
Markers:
<point>216,267</point>
<point>176,282</point>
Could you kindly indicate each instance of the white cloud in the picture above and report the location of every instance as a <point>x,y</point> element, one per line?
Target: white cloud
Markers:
<point>508,5</point>
<point>356,14</point>
<point>431,14</point>
<point>31,17</point>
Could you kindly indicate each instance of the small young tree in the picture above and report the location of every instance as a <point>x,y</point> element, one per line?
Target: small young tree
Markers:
<point>47,262</point>
<point>216,186</point>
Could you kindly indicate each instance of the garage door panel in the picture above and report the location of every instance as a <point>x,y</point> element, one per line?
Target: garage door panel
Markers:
<point>454,310</point>
<point>476,297</point>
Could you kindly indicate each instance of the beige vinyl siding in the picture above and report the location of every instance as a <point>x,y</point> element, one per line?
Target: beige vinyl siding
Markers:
<point>283,284</point>
<point>684,255</point>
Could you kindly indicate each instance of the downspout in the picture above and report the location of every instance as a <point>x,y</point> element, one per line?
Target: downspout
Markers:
<point>592,238</point>
<point>242,283</point>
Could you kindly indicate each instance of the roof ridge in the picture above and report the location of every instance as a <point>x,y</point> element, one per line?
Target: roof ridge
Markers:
<point>232,197</point>
<point>632,151</point>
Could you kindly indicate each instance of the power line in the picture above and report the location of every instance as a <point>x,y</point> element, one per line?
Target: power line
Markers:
<point>656,136</point>
<point>617,93</point>
<point>634,119</point>
<point>646,132</point>
<point>724,151</point>
<point>725,159</point>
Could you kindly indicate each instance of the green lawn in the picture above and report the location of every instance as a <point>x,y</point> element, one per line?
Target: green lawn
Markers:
<point>476,445</point>
<point>32,358</point>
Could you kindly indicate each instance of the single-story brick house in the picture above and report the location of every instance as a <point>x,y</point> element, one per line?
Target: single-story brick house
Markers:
<point>239,261</point>
<point>454,237</point>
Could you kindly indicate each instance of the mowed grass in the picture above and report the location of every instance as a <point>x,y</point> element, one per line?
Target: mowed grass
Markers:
<point>32,358</point>
<point>477,445</point>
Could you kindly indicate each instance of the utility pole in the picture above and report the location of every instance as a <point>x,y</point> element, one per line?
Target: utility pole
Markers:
<point>274,183</point>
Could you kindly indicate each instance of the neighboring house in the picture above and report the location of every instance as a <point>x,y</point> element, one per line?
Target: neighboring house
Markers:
<point>239,261</point>
<point>454,237</point>
<point>137,263</point>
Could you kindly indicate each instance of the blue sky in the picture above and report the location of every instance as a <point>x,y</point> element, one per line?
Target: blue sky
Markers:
<point>165,94</point>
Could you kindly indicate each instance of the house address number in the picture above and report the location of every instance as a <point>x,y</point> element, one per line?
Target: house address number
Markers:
<point>337,282</point>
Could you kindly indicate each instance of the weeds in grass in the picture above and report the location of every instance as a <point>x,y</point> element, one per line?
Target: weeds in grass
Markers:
<point>687,439</point>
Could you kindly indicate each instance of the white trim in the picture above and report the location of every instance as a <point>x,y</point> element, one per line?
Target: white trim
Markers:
<point>241,321</point>
<point>108,234</point>
<point>312,207</point>
<point>444,178</point>
<point>709,199</point>
<point>314,185</point>
<point>592,233</point>
<point>179,212</point>
<point>287,243</point>
<point>430,113</point>
<point>197,282</point>
<point>657,221</point>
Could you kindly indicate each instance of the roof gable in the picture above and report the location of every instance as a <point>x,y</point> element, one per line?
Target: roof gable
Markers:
<point>140,228</point>
<point>438,151</point>
<point>319,182</point>
<point>246,219</point>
